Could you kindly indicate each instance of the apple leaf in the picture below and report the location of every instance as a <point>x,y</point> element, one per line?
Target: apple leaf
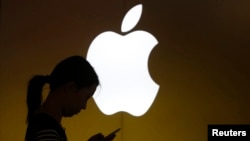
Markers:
<point>131,18</point>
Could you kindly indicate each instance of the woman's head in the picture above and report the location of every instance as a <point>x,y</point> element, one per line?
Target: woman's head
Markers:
<point>73,72</point>
<point>75,69</point>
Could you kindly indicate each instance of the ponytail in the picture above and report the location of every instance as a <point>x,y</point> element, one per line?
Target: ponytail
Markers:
<point>34,94</point>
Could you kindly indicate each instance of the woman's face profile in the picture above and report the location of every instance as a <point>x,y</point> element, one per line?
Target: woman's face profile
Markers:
<point>76,100</point>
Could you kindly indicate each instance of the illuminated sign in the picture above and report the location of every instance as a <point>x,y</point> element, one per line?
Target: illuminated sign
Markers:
<point>121,62</point>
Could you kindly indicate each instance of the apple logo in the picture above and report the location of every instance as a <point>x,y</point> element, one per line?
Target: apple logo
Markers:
<point>121,62</point>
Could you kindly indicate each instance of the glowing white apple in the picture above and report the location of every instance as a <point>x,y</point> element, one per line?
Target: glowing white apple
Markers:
<point>121,62</point>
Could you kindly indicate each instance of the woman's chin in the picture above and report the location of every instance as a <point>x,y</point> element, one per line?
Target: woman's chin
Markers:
<point>70,114</point>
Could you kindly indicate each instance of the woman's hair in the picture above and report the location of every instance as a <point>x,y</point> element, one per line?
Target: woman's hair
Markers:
<point>74,68</point>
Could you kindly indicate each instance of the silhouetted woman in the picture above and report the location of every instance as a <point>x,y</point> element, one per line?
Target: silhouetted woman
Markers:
<point>72,83</point>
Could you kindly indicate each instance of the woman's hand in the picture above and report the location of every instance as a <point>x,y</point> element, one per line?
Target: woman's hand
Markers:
<point>100,137</point>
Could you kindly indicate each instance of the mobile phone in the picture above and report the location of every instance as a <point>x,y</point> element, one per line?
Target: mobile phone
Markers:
<point>112,133</point>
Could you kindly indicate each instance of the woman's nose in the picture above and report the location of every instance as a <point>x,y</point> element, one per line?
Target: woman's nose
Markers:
<point>83,107</point>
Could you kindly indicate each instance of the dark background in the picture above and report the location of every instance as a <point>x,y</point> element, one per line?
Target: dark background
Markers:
<point>201,63</point>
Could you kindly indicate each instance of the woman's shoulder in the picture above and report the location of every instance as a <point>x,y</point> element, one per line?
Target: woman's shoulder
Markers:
<point>43,117</point>
<point>44,126</point>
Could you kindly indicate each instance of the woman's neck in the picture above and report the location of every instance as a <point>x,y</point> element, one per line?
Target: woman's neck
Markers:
<point>52,106</point>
